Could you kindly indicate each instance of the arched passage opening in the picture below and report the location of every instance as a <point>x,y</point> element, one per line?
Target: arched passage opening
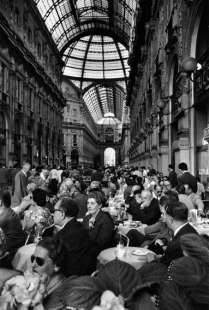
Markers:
<point>109,157</point>
<point>74,158</point>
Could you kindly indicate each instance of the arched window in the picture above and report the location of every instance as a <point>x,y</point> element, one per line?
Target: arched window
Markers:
<point>2,126</point>
<point>109,157</point>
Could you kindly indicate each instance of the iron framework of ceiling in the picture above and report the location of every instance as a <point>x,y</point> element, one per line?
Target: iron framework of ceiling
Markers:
<point>93,38</point>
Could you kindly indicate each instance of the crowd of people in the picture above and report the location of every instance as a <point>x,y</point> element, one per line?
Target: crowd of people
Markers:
<point>69,221</point>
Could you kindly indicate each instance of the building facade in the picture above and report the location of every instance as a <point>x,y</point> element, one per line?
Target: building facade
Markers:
<point>80,132</point>
<point>31,101</point>
<point>168,101</point>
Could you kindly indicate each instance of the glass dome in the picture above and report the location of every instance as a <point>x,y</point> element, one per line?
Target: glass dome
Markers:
<point>96,57</point>
<point>109,119</point>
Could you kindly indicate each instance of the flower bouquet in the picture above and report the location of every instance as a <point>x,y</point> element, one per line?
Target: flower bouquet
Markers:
<point>23,292</point>
<point>36,219</point>
<point>109,301</point>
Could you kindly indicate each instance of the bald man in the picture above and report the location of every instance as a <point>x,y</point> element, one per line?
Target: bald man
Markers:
<point>133,202</point>
<point>148,211</point>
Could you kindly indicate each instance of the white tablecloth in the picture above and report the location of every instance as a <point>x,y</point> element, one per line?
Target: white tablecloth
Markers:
<point>137,261</point>
<point>202,229</point>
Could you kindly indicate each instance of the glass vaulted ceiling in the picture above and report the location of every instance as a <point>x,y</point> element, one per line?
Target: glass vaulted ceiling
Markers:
<point>96,57</point>
<point>93,38</point>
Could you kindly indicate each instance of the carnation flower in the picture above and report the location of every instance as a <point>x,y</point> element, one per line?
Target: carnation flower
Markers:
<point>109,301</point>
<point>23,291</point>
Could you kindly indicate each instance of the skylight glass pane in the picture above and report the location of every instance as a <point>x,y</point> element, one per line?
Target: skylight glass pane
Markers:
<point>73,72</point>
<point>113,74</point>
<point>78,53</point>
<point>76,83</point>
<point>44,5</point>
<point>96,74</point>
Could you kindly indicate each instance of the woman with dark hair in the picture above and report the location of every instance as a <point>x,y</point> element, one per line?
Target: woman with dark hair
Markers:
<point>99,224</point>
<point>46,260</point>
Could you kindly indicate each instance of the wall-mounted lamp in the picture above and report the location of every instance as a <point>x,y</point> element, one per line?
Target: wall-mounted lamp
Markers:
<point>160,104</point>
<point>189,65</point>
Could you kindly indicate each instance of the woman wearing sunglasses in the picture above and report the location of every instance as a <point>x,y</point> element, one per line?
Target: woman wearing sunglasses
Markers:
<point>47,259</point>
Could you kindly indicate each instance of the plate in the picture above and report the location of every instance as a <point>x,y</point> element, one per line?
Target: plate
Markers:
<point>140,252</point>
<point>135,224</point>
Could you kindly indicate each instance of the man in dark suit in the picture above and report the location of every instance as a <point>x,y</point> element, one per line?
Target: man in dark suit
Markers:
<point>12,229</point>
<point>148,212</point>
<point>186,177</point>
<point>73,238</point>
<point>20,184</point>
<point>172,176</point>
<point>176,218</point>
<point>99,224</point>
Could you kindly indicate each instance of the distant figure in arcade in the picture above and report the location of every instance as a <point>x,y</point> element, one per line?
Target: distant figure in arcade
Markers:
<point>20,184</point>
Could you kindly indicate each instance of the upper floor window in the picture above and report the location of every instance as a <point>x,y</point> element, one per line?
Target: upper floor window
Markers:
<point>46,62</point>
<point>75,112</point>
<point>17,16</point>
<point>29,35</point>
<point>4,78</point>
<point>74,140</point>
<point>39,49</point>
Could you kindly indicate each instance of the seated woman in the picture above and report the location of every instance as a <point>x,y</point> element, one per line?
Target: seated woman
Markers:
<point>99,224</point>
<point>38,217</point>
<point>47,259</point>
<point>46,262</point>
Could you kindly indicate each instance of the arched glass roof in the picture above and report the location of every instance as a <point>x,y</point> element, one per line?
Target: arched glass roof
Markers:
<point>68,19</point>
<point>96,57</point>
<point>104,99</point>
<point>93,39</point>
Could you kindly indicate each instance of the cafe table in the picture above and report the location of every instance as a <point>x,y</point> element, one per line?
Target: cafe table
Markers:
<point>134,256</point>
<point>128,225</point>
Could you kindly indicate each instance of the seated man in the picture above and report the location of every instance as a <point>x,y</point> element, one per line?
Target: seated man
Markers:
<point>154,236</point>
<point>73,237</point>
<point>176,218</point>
<point>12,229</point>
<point>99,224</point>
<point>148,211</point>
<point>133,202</point>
